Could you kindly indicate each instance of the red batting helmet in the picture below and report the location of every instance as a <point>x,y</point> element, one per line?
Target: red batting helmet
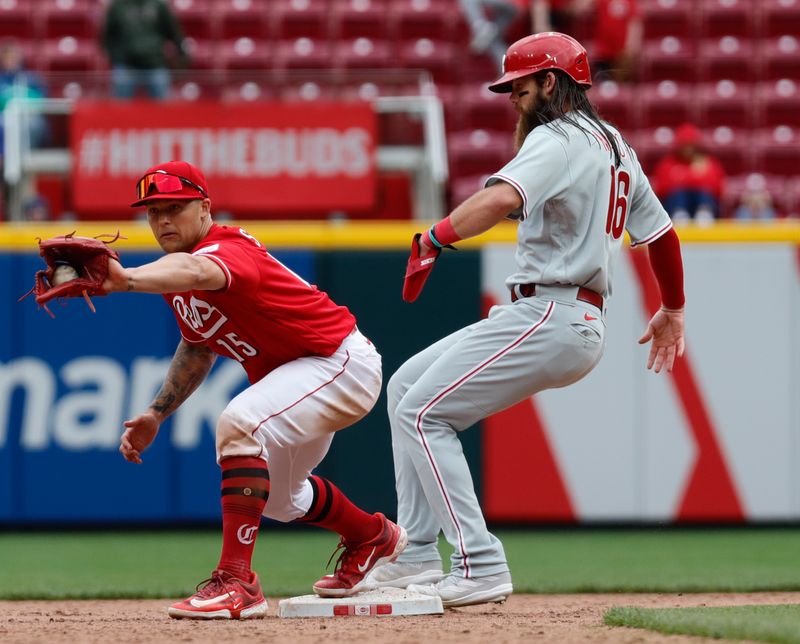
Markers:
<point>547,50</point>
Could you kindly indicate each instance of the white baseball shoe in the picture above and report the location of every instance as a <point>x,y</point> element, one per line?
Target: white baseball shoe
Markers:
<point>458,591</point>
<point>401,574</point>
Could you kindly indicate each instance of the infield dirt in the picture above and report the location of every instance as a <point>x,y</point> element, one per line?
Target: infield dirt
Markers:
<point>524,618</point>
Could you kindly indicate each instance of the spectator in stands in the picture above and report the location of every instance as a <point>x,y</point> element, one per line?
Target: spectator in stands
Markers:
<point>18,82</point>
<point>756,201</point>
<point>489,30</point>
<point>557,15</point>
<point>618,39</point>
<point>135,36</point>
<point>688,180</point>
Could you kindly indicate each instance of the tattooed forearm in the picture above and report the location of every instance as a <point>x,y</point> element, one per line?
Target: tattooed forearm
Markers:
<point>190,365</point>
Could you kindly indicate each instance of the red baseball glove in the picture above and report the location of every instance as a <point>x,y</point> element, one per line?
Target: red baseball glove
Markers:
<point>418,269</point>
<point>76,267</point>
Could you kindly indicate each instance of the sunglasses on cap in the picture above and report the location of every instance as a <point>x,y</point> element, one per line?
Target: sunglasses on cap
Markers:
<point>164,184</point>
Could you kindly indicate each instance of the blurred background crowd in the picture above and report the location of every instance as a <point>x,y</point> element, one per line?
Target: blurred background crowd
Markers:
<point>706,91</point>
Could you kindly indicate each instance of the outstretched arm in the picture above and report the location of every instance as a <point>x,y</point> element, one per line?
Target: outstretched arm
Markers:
<point>173,273</point>
<point>189,367</point>
<point>666,328</point>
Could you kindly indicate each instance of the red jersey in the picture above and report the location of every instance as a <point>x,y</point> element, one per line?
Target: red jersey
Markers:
<point>613,19</point>
<point>266,315</point>
<point>673,173</point>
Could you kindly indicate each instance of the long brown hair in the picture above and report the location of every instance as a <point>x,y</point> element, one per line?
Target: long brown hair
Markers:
<point>567,98</point>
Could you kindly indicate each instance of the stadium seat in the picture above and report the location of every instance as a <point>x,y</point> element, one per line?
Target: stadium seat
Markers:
<point>651,144</point>
<point>197,17</point>
<point>202,53</point>
<point>666,103</point>
<point>617,104</point>
<point>792,194</point>
<point>359,18</point>
<point>728,18</point>
<point>197,87</point>
<point>779,17</point>
<point>463,188</point>
<point>246,90</point>
<point>414,19</point>
<point>300,19</point>
<point>363,53</point>
<point>669,18</point>
<point>435,56</point>
<point>780,58</point>
<point>777,150</point>
<point>76,18</point>
<point>779,103</point>
<point>725,102</point>
<point>669,58</point>
<point>481,108</point>
<point>302,53</point>
<point>242,18</point>
<point>733,148</point>
<point>243,54</point>
<point>69,54</point>
<point>728,57</point>
<point>300,90</point>
<point>16,19</point>
<point>737,185</point>
<point>474,152</point>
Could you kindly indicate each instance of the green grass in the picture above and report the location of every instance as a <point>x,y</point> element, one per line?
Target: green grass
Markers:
<point>167,564</point>
<point>779,623</point>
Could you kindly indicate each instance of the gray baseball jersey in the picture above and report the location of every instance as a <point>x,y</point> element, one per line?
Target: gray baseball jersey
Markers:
<point>576,206</point>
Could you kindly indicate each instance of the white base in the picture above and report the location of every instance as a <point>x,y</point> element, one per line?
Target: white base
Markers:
<point>382,602</point>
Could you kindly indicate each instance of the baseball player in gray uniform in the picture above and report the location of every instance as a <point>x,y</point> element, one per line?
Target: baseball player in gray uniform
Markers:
<point>575,187</point>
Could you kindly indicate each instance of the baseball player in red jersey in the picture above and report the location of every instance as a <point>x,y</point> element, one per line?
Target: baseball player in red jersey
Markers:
<point>311,373</point>
<point>574,188</point>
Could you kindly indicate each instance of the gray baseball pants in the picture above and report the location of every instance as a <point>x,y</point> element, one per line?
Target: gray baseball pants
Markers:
<point>536,343</point>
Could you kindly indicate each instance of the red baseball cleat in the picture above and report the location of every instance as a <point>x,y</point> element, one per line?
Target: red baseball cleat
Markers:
<point>223,597</point>
<point>357,560</point>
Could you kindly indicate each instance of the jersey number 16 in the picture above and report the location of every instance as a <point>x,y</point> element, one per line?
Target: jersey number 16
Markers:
<point>617,203</point>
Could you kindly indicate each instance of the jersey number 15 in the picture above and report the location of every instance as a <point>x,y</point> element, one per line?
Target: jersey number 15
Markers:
<point>617,203</point>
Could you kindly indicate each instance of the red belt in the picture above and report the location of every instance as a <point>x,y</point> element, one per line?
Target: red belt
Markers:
<point>584,294</point>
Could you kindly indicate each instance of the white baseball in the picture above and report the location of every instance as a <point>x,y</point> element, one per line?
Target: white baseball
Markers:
<point>64,273</point>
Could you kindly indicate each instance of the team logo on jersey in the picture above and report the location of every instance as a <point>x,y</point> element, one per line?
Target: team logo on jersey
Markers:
<point>203,318</point>
<point>246,534</point>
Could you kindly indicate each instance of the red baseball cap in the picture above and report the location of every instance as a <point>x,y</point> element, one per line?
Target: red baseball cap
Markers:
<point>171,180</point>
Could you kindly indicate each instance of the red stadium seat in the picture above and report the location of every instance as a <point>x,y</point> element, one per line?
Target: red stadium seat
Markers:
<point>777,150</point>
<point>76,18</point>
<point>736,186</point>
<point>728,18</point>
<point>670,58</point>
<point>197,17</point>
<point>463,188</point>
<point>780,58</point>
<point>435,56</point>
<point>300,19</point>
<point>473,152</point>
<point>16,19</point>
<point>482,109</point>
<point>431,19</point>
<point>239,18</point>
<point>726,102</point>
<point>669,18</point>
<point>780,17</point>
<point>303,53</point>
<point>70,54</point>
<point>779,103</point>
<point>616,103</point>
<point>301,90</point>
<point>733,148</point>
<point>243,54</point>
<point>246,90</point>
<point>666,103</point>
<point>728,57</point>
<point>651,144</point>
<point>197,87</point>
<point>359,18</point>
<point>202,53</point>
<point>792,193</point>
<point>363,53</point>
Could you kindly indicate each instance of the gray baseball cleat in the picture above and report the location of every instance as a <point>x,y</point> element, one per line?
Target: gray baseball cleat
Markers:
<point>458,591</point>
<point>401,574</point>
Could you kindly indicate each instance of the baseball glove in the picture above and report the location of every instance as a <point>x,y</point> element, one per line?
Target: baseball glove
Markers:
<point>418,269</point>
<point>76,267</point>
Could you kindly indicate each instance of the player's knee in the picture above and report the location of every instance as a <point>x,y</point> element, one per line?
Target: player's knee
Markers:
<point>283,511</point>
<point>395,390</point>
<point>235,437</point>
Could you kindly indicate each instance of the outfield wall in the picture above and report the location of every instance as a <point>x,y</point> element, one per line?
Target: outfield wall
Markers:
<point>719,439</point>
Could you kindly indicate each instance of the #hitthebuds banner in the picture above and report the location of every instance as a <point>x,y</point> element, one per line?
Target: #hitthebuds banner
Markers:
<point>257,158</point>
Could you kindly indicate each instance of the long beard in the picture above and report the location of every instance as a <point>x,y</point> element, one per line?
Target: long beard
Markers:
<point>527,122</point>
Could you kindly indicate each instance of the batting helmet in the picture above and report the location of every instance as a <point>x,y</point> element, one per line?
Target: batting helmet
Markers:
<point>547,50</point>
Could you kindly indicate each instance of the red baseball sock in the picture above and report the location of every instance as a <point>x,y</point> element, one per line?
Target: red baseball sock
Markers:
<point>245,490</point>
<point>332,510</point>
